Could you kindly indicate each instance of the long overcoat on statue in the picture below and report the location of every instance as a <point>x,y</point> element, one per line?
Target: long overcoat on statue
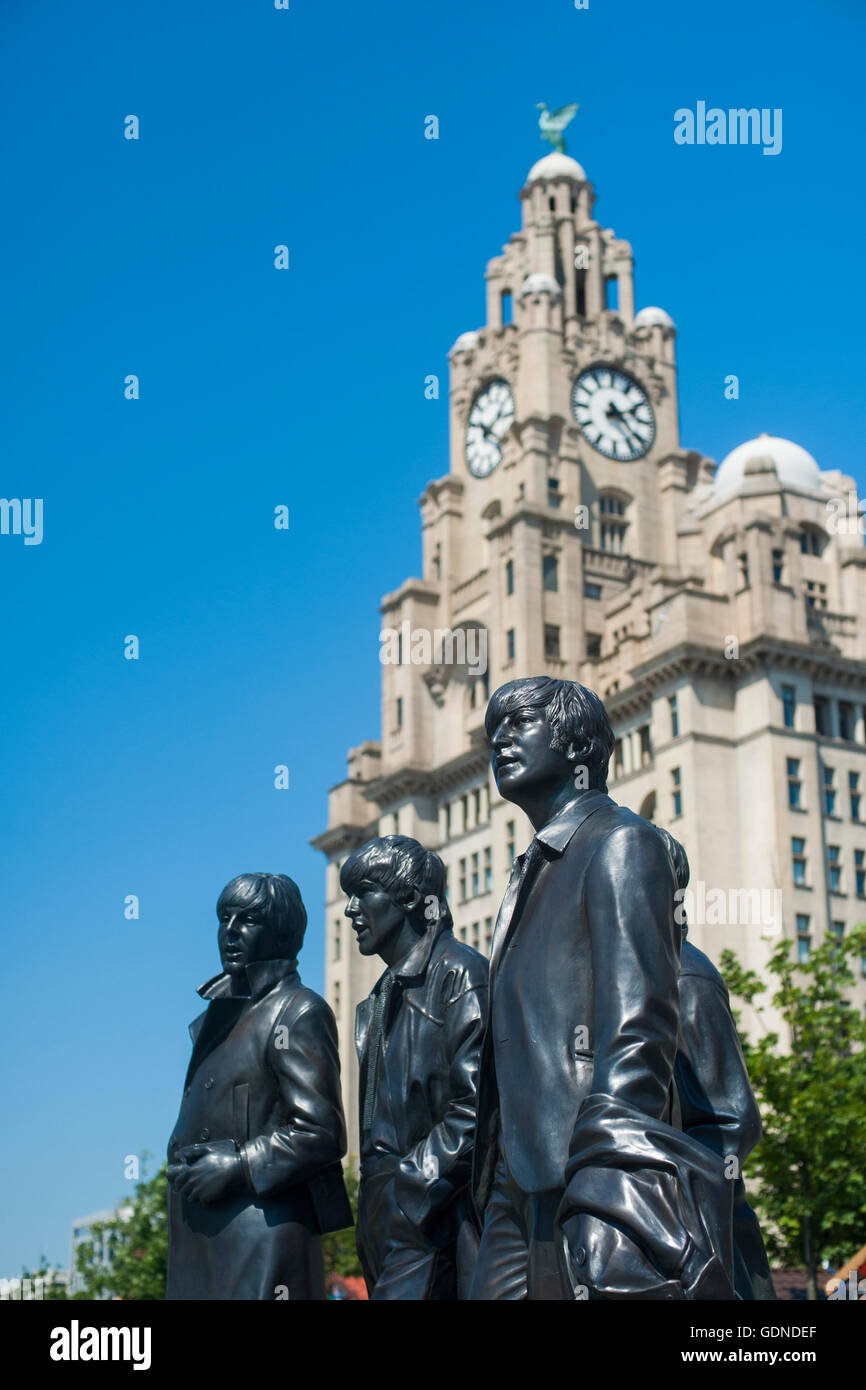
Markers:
<point>263,1081</point>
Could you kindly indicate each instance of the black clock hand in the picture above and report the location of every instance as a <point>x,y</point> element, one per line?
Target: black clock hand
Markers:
<point>614,413</point>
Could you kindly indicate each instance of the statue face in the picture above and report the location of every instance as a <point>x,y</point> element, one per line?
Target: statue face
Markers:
<point>243,939</point>
<point>375,918</point>
<point>522,759</point>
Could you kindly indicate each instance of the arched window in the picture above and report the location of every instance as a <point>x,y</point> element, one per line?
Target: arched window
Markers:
<point>812,540</point>
<point>612,521</point>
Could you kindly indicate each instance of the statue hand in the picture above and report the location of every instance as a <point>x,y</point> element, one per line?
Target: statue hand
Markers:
<point>207,1175</point>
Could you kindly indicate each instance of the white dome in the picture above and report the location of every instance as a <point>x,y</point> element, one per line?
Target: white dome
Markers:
<point>466,342</point>
<point>653,317</point>
<point>540,284</point>
<point>557,166</point>
<point>793,466</point>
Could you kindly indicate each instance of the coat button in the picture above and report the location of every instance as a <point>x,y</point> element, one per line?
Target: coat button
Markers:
<point>205,1134</point>
<point>208,1083</point>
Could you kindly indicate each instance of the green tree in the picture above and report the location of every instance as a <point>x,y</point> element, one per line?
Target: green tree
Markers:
<point>341,1256</point>
<point>811,1090</point>
<point>127,1256</point>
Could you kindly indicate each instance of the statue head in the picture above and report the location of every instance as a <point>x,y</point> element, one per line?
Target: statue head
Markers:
<point>261,917</point>
<point>396,891</point>
<point>547,733</point>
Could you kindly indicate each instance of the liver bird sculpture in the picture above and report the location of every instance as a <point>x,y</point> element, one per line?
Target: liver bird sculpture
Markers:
<point>553,123</point>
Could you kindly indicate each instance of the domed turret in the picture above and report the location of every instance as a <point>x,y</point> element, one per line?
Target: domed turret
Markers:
<point>793,465</point>
<point>557,166</point>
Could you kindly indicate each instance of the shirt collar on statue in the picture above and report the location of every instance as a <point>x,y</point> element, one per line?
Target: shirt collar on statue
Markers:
<point>557,834</point>
<point>262,975</point>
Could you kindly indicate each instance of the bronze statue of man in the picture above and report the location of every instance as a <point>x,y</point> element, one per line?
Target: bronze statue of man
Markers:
<point>586,1187</point>
<point>255,1173</point>
<point>419,1038</point>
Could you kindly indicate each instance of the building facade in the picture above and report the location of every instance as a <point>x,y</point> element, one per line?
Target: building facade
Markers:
<point>718,611</point>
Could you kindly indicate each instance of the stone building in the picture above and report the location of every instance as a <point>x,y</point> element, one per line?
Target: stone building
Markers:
<point>717,611</point>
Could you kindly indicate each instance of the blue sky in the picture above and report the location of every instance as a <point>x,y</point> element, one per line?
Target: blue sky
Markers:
<point>306,388</point>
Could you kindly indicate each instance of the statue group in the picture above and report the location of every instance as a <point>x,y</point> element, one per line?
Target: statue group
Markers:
<point>568,1121</point>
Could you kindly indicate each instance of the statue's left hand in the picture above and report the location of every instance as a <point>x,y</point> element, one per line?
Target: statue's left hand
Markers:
<point>208,1175</point>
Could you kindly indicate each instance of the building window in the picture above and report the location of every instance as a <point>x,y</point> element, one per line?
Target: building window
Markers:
<point>795,786</point>
<point>591,590</point>
<point>854,793</point>
<point>675,716</point>
<point>829,791</point>
<point>580,293</point>
<point>476,889</point>
<point>476,935</point>
<point>837,931</point>
<point>464,805</point>
<point>778,566</point>
<point>447,820</point>
<point>860,873</point>
<point>613,524</point>
<point>554,496</point>
<point>509,643</point>
<point>462,880</point>
<point>510,842</point>
<point>810,541</point>
<point>593,645</point>
<point>399,712</point>
<point>804,939</point>
<point>834,869</point>
<point>551,642</point>
<point>488,870</point>
<point>646,751</point>
<point>846,721</point>
<point>509,576</point>
<point>476,805</point>
<point>437,561</point>
<point>506,306</point>
<point>338,939</point>
<point>488,934</point>
<point>822,715</point>
<point>798,855</point>
<point>550,573</point>
<point>816,595</point>
<point>462,933</point>
<point>677,793</point>
<point>743,562</point>
<point>789,705</point>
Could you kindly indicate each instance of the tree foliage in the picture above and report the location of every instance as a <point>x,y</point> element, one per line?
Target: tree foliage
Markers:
<point>126,1256</point>
<point>811,1089</point>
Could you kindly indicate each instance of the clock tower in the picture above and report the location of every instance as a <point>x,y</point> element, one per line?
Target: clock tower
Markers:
<point>714,611</point>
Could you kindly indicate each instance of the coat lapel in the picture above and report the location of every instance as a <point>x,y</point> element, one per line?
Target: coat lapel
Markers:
<point>214,1027</point>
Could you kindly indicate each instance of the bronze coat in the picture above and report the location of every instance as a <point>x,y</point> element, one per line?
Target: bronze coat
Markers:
<point>264,1077</point>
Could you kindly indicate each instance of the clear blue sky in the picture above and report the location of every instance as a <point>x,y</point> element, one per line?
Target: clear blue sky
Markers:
<point>305,388</point>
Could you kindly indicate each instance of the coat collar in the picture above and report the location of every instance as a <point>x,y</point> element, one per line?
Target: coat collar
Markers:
<point>557,834</point>
<point>262,975</point>
<point>415,964</point>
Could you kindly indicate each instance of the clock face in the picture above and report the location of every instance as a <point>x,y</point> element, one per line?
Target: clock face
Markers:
<point>490,419</point>
<point>613,412</point>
